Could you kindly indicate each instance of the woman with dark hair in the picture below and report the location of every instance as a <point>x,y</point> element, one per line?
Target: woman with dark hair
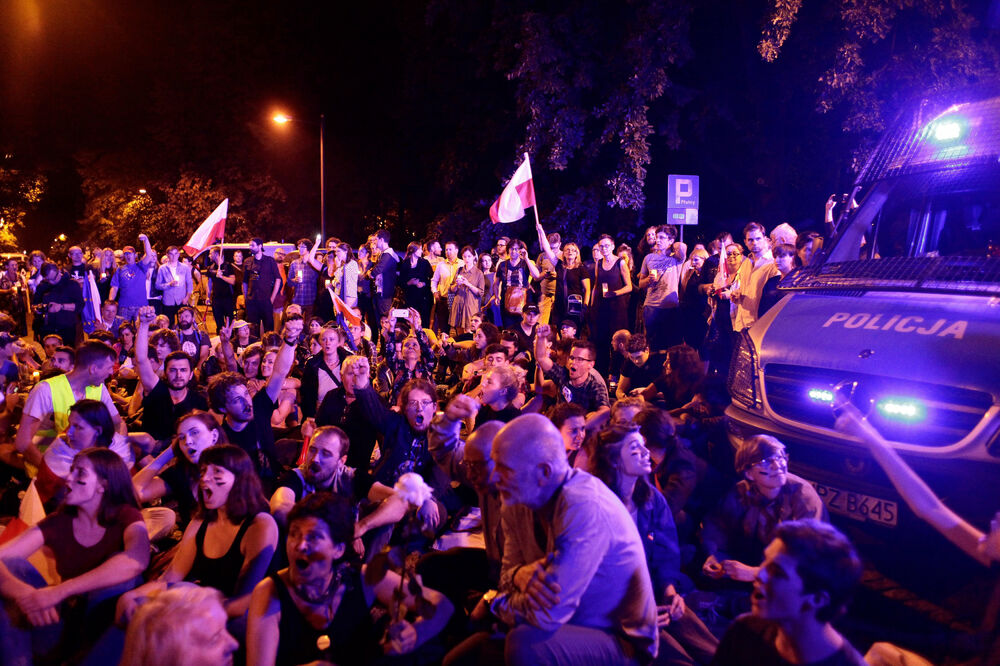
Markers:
<point>365,303</point>
<point>318,608</point>
<point>512,283</point>
<point>230,544</point>
<point>490,299</point>
<point>175,472</point>
<point>90,425</point>
<point>683,373</point>
<point>100,547</point>
<point>487,334</point>
<point>345,280</point>
<point>415,275</point>
<point>619,457</point>
<point>409,357</point>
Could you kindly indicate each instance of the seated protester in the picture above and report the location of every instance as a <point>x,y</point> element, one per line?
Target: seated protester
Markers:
<point>682,375</point>
<point>497,394</point>
<point>411,358</point>
<point>323,470</point>
<point>487,334</point>
<point>62,358</point>
<point>322,371</point>
<point>46,410</point>
<point>49,343</point>
<point>175,473</point>
<point>404,444</point>
<point>510,341</point>
<point>318,608</point>
<point>808,576</point>
<point>194,339</point>
<point>640,368</point>
<point>162,342</point>
<point>362,345</point>
<point>568,329</point>
<point>126,351</point>
<point>229,545</point>
<point>575,382</point>
<point>571,421</point>
<point>495,354</point>
<point>340,408</point>
<point>168,398</point>
<point>735,534</point>
<point>213,365</point>
<point>677,472</point>
<point>90,425</point>
<point>247,421</point>
<point>525,329</point>
<point>586,595</point>
<point>100,547</point>
<point>109,320</point>
<point>619,457</point>
<point>243,337</point>
<point>176,624</point>
<point>624,411</point>
<point>249,365</point>
<point>287,413</point>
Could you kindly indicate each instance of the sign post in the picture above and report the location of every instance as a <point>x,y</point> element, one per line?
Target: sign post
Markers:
<point>682,201</point>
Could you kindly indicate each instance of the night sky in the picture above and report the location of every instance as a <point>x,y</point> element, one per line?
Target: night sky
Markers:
<point>404,103</point>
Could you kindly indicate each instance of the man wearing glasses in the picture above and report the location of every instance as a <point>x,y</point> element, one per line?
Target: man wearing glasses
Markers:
<point>736,533</point>
<point>577,382</point>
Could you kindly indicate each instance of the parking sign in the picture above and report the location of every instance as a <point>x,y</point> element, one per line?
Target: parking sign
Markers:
<point>682,199</point>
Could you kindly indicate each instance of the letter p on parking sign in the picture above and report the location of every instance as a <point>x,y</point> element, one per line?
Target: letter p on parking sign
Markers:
<point>682,199</point>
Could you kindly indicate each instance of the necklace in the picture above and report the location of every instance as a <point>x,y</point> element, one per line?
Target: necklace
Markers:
<point>323,597</point>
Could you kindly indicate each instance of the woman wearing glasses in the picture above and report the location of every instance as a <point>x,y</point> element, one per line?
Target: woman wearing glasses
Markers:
<point>735,534</point>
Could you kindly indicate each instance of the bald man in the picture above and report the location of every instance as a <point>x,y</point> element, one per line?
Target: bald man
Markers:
<point>588,598</point>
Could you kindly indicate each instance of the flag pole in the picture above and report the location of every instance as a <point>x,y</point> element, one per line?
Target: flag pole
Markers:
<point>532,178</point>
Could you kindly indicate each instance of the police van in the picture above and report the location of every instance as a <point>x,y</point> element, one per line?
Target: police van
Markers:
<point>905,302</point>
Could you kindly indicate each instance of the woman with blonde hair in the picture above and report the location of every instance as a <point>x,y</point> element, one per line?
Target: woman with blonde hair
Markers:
<point>182,626</point>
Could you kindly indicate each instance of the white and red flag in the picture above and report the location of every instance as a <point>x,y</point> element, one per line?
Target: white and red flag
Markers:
<point>518,195</point>
<point>211,231</point>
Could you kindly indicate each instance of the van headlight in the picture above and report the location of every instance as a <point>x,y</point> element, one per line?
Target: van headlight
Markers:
<point>743,373</point>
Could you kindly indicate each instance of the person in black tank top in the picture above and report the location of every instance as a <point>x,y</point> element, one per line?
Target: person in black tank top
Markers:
<point>230,544</point>
<point>609,303</point>
<point>319,607</point>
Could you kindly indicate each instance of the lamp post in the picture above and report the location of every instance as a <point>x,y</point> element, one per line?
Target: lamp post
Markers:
<point>282,119</point>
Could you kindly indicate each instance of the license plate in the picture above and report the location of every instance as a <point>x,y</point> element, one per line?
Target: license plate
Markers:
<point>858,506</point>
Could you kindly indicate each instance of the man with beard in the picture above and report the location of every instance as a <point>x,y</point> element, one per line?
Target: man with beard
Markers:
<point>574,586</point>
<point>168,398</point>
<point>261,283</point>
<point>247,420</point>
<point>194,340</point>
<point>324,470</point>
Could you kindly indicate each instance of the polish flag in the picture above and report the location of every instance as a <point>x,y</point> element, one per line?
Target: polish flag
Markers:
<point>518,195</point>
<point>212,230</point>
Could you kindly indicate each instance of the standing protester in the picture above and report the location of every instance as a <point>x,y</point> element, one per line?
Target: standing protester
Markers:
<point>444,276</point>
<point>660,276</point>
<point>129,284</point>
<point>222,280</point>
<point>415,275</point>
<point>513,276</point>
<point>751,276</point>
<point>548,263</point>
<point>467,289</point>
<point>176,282</point>
<point>261,282</point>
<point>610,313</point>
<point>60,300</point>
<point>14,295</point>
<point>303,274</point>
<point>384,276</point>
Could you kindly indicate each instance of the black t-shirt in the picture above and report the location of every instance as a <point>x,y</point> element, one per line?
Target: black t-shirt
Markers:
<point>641,377</point>
<point>259,275</point>
<point>160,413</point>
<point>334,410</point>
<point>751,640</point>
<point>180,490</point>
<point>505,415</point>
<point>192,341</point>
<point>257,439</point>
<point>222,290</point>
<point>354,486</point>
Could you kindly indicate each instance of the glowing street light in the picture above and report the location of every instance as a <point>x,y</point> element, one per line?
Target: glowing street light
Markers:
<point>142,190</point>
<point>283,119</point>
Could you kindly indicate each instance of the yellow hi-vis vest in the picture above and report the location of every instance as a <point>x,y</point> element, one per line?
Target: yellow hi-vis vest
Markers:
<point>62,400</point>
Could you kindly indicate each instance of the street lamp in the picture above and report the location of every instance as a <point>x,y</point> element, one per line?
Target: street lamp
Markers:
<point>282,119</point>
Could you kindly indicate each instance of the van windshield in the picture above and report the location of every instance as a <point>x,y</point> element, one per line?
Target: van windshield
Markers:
<point>965,224</point>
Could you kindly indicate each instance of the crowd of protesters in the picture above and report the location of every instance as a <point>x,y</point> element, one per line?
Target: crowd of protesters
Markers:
<point>222,460</point>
